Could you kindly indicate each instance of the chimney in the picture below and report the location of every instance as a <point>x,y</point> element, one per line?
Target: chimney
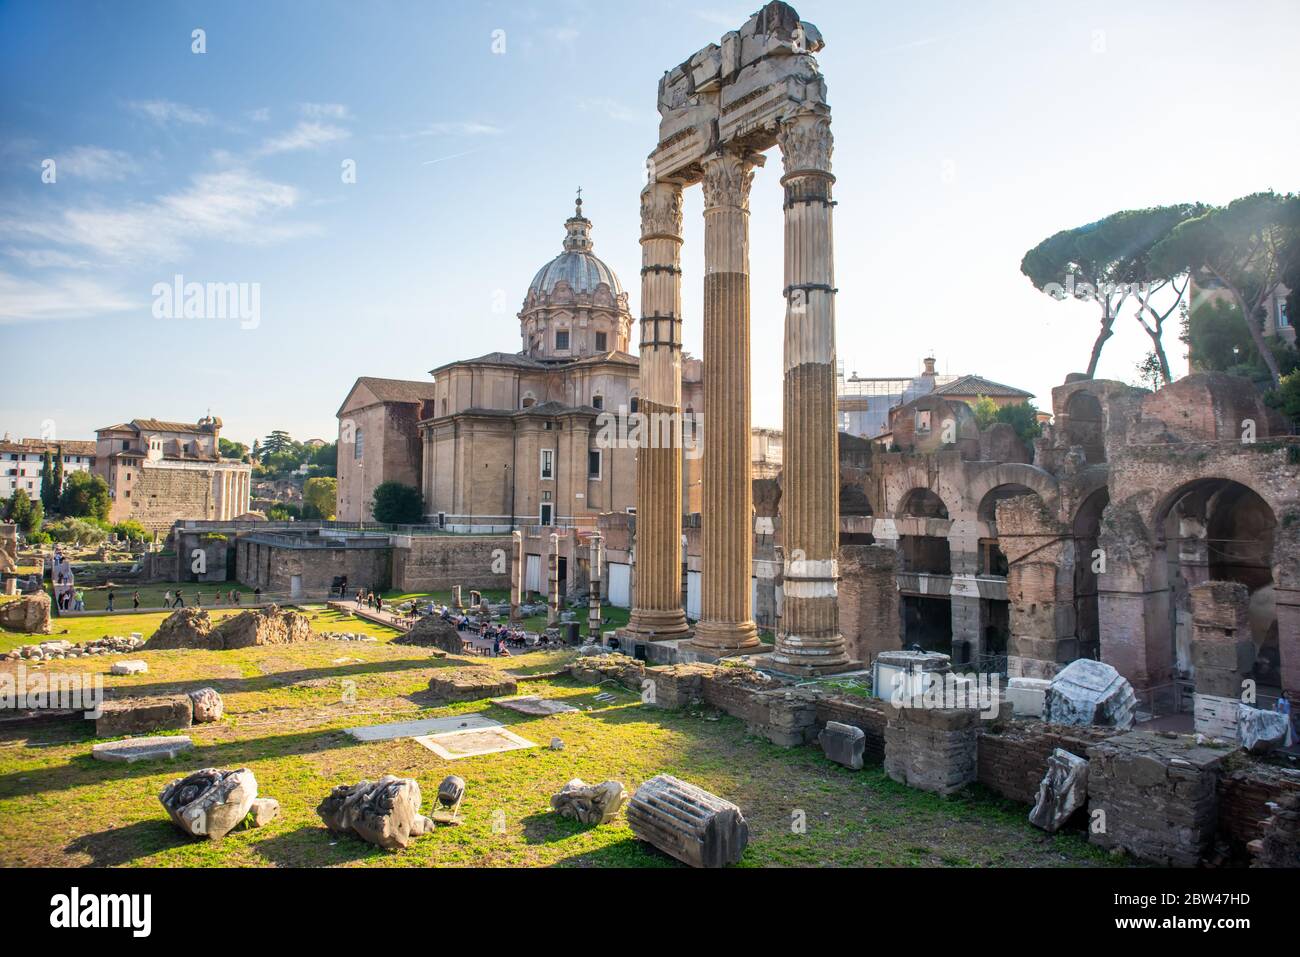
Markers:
<point>929,366</point>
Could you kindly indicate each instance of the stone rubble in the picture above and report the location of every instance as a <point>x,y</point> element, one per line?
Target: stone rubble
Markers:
<point>384,812</point>
<point>210,803</point>
<point>589,803</point>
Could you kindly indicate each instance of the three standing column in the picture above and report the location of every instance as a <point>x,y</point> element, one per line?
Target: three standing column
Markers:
<point>727,622</point>
<point>809,638</point>
<point>657,610</point>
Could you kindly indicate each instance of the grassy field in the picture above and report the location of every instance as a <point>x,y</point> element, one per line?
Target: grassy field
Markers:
<point>285,711</point>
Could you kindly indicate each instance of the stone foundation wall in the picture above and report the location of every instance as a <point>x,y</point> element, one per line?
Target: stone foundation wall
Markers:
<point>436,562</point>
<point>1158,796</point>
<point>932,749</point>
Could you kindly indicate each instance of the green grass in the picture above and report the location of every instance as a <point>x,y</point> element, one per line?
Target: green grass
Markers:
<point>285,711</point>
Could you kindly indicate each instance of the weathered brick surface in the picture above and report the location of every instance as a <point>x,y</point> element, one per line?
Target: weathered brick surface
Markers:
<point>436,562</point>
<point>869,600</point>
<point>1244,793</point>
<point>931,749</point>
<point>1158,796</point>
<point>140,715</point>
<point>866,714</point>
<point>628,672</point>
<point>1013,760</point>
<point>678,686</point>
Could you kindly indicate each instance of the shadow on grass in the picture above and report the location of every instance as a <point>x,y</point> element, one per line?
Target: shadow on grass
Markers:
<point>626,853</point>
<point>270,682</point>
<point>122,845</point>
<point>82,769</point>
<point>316,846</point>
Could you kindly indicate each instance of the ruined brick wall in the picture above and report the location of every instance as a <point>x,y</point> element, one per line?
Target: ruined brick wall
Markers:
<point>273,568</point>
<point>867,714</point>
<point>1244,793</point>
<point>436,562</point>
<point>1013,760</point>
<point>869,601</point>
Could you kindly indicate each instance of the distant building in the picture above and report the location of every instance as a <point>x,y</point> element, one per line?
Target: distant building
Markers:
<point>510,439</point>
<point>972,388</point>
<point>20,462</point>
<point>159,472</point>
<point>864,403</point>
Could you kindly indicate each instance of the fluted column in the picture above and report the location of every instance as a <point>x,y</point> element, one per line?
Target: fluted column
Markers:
<point>657,611</point>
<point>809,637</point>
<point>727,620</point>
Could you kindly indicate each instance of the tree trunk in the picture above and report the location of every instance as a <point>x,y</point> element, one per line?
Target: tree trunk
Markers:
<point>1256,329</point>
<point>1107,321</point>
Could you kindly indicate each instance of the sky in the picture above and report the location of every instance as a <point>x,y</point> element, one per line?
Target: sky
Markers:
<point>964,134</point>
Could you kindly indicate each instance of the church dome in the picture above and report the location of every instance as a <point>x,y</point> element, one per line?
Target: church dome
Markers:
<point>575,307</point>
<point>577,266</point>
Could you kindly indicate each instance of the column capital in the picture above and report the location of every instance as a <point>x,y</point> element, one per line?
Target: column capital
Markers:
<point>727,178</point>
<point>806,142</point>
<point>661,211</point>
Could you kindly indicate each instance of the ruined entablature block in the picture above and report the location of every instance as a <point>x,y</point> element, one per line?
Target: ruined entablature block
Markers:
<point>736,94</point>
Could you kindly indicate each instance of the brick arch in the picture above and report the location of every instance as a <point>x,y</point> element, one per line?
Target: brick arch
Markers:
<point>911,495</point>
<point>1037,480</point>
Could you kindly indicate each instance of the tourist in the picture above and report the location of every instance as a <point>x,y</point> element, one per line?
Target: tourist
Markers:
<point>379,603</point>
<point>135,601</point>
<point>81,601</point>
<point>180,600</point>
<point>167,598</point>
<point>198,599</point>
<point>238,596</point>
<point>1283,707</point>
<point>110,599</point>
<point>257,595</point>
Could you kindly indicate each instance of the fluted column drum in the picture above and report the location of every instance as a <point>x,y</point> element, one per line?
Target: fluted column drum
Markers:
<point>727,622</point>
<point>809,638</point>
<point>657,610</point>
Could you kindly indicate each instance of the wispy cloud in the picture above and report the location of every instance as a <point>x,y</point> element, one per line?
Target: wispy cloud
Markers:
<point>235,205</point>
<point>456,128</point>
<point>329,111</point>
<point>65,297</point>
<point>306,135</point>
<point>168,113</point>
<point>95,163</point>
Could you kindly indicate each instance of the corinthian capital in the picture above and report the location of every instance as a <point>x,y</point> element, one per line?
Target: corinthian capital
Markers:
<point>661,210</point>
<point>806,142</point>
<point>727,178</point>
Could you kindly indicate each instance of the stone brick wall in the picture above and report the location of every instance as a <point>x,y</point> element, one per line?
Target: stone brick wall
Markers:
<point>1012,761</point>
<point>869,601</point>
<point>1244,793</point>
<point>436,562</point>
<point>866,714</point>
<point>1158,797</point>
<point>931,749</point>
<point>162,496</point>
<point>272,567</point>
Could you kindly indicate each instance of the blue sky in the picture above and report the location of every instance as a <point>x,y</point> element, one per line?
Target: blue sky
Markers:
<point>965,133</point>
